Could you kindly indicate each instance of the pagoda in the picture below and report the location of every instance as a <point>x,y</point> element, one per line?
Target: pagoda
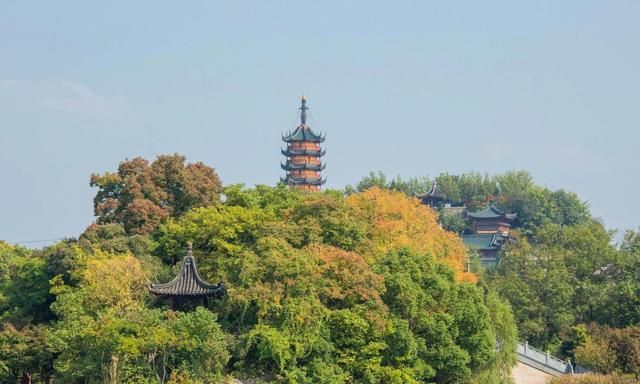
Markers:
<point>303,164</point>
<point>188,286</point>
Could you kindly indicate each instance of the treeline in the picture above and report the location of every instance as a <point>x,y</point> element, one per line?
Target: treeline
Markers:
<point>573,290</point>
<point>513,191</point>
<point>322,288</point>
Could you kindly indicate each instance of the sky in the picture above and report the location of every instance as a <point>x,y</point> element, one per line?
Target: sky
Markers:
<point>411,88</point>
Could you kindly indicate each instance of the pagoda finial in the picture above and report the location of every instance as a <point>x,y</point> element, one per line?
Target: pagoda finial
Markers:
<point>189,248</point>
<point>303,111</point>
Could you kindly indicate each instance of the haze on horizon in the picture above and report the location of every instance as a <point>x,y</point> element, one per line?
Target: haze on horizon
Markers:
<point>409,88</point>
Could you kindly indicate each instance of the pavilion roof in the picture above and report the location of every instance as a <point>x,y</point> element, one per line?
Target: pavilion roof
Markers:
<point>434,192</point>
<point>188,282</point>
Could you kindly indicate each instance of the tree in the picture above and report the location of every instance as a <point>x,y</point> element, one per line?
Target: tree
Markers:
<point>538,285</point>
<point>399,221</point>
<point>610,350</point>
<point>140,195</point>
<point>25,354</point>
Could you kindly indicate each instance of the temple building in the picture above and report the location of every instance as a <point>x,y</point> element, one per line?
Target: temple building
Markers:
<point>491,230</point>
<point>492,220</point>
<point>303,164</point>
<point>188,288</point>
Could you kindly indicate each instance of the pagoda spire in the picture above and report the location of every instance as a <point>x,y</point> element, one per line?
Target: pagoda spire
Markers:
<point>303,111</point>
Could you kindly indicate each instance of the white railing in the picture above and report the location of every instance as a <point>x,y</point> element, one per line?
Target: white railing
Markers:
<point>524,349</point>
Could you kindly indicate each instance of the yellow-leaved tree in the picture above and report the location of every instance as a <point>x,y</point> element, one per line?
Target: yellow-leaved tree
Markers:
<point>397,220</point>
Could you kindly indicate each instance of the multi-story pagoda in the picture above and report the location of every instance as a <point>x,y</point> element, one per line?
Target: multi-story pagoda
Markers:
<point>186,289</point>
<point>303,152</point>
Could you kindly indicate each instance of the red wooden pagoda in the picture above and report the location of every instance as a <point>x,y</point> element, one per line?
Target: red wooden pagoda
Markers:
<point>303,152</point>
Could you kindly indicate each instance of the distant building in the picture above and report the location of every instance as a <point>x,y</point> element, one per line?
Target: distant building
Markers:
<point>492,220</point>
<point>303,152</point>
<point>491,230</point>
<point>434,197</point>
<point>188,288</point>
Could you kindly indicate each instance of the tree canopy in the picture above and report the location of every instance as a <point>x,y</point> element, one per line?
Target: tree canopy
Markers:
<point>141,195</point>
<point>321,288</point>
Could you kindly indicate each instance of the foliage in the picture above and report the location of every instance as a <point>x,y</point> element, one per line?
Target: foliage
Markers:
<point>140,195</point>
<point>397,221</point>
<point>24,287</point>
<point>513,191</point>
<point>106,333</point>
<point>591,379</point>
<point>322,288</point>
<point>24,353</point>
<point>611,350</point>
<point>309,287</point>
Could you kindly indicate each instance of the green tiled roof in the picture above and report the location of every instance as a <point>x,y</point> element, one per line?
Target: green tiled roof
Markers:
<point>491,212</point>
<point>484,241</point>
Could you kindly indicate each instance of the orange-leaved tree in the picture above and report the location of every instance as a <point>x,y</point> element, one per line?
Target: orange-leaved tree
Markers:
<point>397,220</point>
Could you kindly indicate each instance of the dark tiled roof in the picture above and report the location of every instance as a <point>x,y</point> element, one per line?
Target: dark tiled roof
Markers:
<point>312,167</point>
<point>303,133</point>
<point>303,180</point>
<point>433,193</point>
<point>188,282</point>
<point>491,212</point>
<point>302,152</point>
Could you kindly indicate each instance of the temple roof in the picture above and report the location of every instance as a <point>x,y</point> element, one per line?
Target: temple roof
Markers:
<point>303,180</point>
<point>302,152</point>
<point>303,132</point>
<point>491,212</point>
<point>312,167</point>
<point>433,193</point>
<point>483,241</point>
<point>188,282</point>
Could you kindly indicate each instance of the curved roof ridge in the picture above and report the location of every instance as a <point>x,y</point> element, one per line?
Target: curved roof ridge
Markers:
<point>491,212</point>
<point>188,282</point>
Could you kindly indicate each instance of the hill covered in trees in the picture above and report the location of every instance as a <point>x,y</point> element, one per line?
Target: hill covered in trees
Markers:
<point>322,288</point>
<point>573,290</point>
<point>364,285</point>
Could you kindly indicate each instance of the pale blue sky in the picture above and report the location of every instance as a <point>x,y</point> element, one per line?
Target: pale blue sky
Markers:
<point>407,87</point>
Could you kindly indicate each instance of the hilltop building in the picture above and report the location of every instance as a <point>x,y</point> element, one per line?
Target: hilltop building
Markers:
<point>434,197</point>
<point>491,230</point>
<point>303,155</point>
<point>188,287</point>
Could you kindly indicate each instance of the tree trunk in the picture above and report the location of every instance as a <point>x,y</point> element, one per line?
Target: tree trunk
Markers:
<point>112,370</point>
<point>26,378</point>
